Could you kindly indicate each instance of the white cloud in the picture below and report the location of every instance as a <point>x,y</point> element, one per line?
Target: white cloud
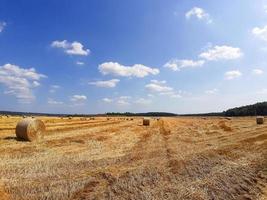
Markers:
<point>107,100</point>
<point>221,53</point>
<point>35,84</point>
<point>260,33</point>
<point>212,91</point>
<point>161,88</point>
<point>79,63</point>
<point>177,65</point>
<point>158,86</point>
<point>53,102</point>
<point>106,84</point>
<point>78,99</point>
<point>54,88</point>
<point>171,94</point>
<point>232,74</point>
<point>175,95</point>
<point>158,82</point>
<point>143,101</point>
<point>125,97</point>
<point>74,48</point>
<point>122,102</point>
<point>20,82</point>
<point>257,72</point>
<point>199,13</point>
<point>136,70</point>
<point>127,100</point>
<point>2,26</point>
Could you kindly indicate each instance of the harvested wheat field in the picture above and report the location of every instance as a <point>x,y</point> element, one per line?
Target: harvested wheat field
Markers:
<point>173,158</point>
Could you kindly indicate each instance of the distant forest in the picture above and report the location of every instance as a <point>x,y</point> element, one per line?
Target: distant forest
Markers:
<point>249,110</point>
<point>160,114</point>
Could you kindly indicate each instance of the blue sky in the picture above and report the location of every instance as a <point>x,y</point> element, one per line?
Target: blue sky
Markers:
<point>145,55</point>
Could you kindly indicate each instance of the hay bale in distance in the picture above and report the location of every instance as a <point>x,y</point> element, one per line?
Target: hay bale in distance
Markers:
<point>146,122</point>
<point>260,120</point>
<point>30,129</point>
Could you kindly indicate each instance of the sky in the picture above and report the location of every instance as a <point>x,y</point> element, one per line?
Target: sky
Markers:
<point>97,56</point>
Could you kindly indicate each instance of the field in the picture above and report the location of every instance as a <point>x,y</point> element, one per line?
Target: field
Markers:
<point>173,158</point>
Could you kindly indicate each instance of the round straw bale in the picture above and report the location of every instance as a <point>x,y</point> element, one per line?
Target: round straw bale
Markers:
<point>146,122</point>
<point>260,120</point>
<point>30,129</point>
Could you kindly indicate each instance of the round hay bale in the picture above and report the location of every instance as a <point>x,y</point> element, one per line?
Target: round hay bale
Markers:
<point>260,120</point>
<point>30,129</point>
<point>146,122</point>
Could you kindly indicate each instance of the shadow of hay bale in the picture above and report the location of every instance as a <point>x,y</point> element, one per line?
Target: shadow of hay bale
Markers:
<point>14,138</point>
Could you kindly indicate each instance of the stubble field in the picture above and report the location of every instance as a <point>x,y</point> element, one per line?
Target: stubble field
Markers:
<point>173,158</point>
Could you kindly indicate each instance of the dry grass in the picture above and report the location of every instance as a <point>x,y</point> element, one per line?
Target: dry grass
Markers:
<point>173,158</point>
<point>3,194</point>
